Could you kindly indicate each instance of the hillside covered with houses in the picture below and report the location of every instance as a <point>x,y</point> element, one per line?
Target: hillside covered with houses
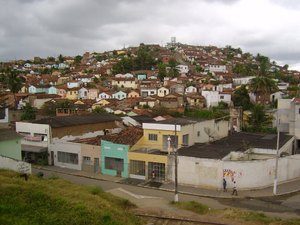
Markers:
<point>124,113</point>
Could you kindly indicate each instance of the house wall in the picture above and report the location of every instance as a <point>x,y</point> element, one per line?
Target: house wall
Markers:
<point>32,129</point>
<point>295,120</point>
<point>148,158</point>
<point>161,92</point>
<point>11,148</point>
<point>283,113</point>
<point>92,151</point>
<point>38,103</point>
<point>112,150</point>
<point>210,130</point>
<point>52,90</point>
<point>15,165</point>
<point>211,97</point>
<point>70,147</point>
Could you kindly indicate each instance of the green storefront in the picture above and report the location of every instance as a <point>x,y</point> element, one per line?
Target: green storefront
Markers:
<point>10,144</point>
<point>114,159</point>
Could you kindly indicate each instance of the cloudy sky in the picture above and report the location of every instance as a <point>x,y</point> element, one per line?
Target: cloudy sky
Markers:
<point>43,28</point>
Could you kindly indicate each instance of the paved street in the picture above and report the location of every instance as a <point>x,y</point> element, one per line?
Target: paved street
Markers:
<point>287,206</point>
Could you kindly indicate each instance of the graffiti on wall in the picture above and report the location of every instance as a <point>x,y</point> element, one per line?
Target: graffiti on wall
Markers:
<point>228,173</point>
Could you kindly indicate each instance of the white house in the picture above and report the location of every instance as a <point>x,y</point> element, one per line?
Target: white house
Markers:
<point>104,95</point>
<point>214,97</point>
<point>216,68</point>
<point>74,84</point>
<point>190,89</point>
<point>148,91</point>
<point>127,75</point>
<point>163,91</point>
<point>83,93</point>
<point>36,138</point>
<point>119,95</point>
<point>242,80</point>
<point>183,69</point>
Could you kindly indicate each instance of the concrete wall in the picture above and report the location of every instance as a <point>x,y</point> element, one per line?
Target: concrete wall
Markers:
<point>206,173</point>
<point>251,174</point>
<point>11,148</point>
<point>283,113</point>
<point>64,146</point>
<point>15,165</point>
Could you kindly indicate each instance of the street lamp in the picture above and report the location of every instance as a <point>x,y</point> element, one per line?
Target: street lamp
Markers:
<point>176,166</point>
<point>277,157</point>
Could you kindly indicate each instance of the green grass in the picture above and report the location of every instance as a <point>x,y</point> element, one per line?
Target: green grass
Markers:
<point>192,206</point>
<point>55,201</point>
<point>248,217</point>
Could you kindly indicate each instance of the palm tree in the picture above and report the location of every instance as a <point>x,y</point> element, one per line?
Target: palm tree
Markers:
<point>262,86</point>
<point>13,82</point>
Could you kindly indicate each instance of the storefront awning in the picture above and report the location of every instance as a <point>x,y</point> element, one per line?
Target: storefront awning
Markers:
<point>31,148</point>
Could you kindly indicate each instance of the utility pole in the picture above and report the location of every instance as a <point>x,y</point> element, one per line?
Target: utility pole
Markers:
<point>277,157</point>
<point>176,166</point>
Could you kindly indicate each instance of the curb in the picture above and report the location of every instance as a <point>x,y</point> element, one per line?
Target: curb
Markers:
<point>165,189</point>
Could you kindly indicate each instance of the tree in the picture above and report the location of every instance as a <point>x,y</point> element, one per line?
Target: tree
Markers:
<point>162,72</point>
<point>262,85</point>
<point>99,110</point>
<point>125,65</point>
<point>258,116</point>
<point>286,67</point>
<point>145,59</point>
<point>28,112</point>
<point>61,58</point>
<point>13,82</point>
<point>241,98</point>
<point>77,60</point>
<point>173,71</point>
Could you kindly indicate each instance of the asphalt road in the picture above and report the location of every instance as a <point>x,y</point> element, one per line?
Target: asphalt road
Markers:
<point>278,206</point>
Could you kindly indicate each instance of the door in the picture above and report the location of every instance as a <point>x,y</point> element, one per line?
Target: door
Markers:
<point>52,158</point>
<point>96,165</point>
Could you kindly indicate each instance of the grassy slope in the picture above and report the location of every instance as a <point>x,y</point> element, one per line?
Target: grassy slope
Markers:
<point>237,215</point>
<point>55,201</point>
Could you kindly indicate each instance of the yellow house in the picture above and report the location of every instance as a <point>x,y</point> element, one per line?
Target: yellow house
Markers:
<point>148,165</point>
<point>101,103</point>
<point>179,132</point>
<point>133,94</point>
<point>122,82</point>
<point>72,93</point>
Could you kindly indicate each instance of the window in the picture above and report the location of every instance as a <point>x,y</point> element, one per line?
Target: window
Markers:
<point>137,167</point>
<point>114,164</point>
<point>86,158</point>
<point>66,157</point>
<point>198,133</point>
<point>222,97</point>
<point>152,137</point>
<point>185,139</point>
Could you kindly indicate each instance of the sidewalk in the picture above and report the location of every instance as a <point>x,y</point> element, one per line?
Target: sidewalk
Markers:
<point>282,189</point>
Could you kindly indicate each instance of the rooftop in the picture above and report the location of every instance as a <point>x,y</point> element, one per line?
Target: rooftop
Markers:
<point>66,121</point>
<point>177,121</point>
<point>236,142</point>
<point>129,136</point>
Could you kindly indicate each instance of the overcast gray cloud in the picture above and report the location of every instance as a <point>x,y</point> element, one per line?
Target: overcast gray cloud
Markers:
<point>51,27</point>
